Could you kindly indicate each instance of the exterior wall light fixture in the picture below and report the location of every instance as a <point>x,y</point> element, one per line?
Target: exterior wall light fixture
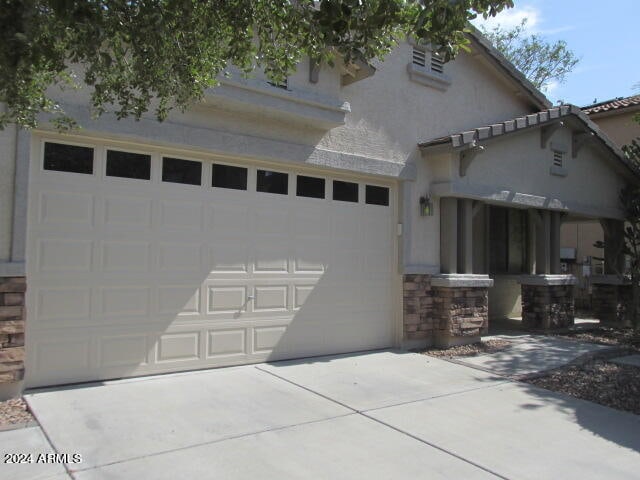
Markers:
<point>426,206</point>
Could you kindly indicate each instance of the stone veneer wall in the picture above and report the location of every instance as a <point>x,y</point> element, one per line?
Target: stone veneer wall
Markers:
<point>609,303</point>
<point>419,322</point>
<point>547,306</point>
<point>12,318</point>
<point>462,312</point>
<point>443,315</point>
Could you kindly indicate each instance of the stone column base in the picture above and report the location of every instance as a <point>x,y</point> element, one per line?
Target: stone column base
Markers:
<point>445,310</point>
<point>547,301</point>
<point>610,295</point>
<point>12,318</point>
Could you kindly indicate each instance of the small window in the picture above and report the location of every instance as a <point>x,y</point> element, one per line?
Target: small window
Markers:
<point>227,176</point>
<point>345,191</point>
<point>437,63</point>
<point>176,170</point>
<point>419,57</point>
<point>128,165</point>
<point>273,182</point>
<point>68,158</point>
<point>377,195</point>
<point>310,187</point>
<point>558,158</point>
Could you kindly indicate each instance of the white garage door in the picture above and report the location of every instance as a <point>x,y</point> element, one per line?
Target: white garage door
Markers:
<point>150,261</point>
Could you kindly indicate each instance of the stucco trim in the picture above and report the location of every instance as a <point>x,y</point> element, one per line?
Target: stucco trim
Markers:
<point>173,134</point>
<point>461,280</point>
<point>549,280</point>
<point>13,269</point>
<point>425,76</point>
<point>257,96</point>
<point>504,196</point>
<point>609,280</point>
<point>483,45</point>
<point>535,120</point>
<point>21,195</point>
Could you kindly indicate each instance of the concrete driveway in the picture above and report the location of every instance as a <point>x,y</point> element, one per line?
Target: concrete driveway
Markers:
<point>382,415</point>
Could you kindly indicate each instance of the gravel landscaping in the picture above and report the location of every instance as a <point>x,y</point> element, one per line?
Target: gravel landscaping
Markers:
<point>599,381</point>
<point>605,336</point>
<point>13,412</point>
<point>471,350</point>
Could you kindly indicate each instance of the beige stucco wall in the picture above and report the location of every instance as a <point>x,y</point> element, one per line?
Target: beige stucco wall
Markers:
<point>7,174</point>
<point>389,115</point>
<point>619,126</point>
<point>518,166</point>
<point>505,299</point>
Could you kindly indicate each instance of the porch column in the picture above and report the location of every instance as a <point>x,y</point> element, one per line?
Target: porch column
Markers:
<point>556,221</point>
<point>613,246</point>
<point>449,235</point>
<point>532,230</point>
<point>544,262</point>
<point>466,236</point>
<point>611,292</point>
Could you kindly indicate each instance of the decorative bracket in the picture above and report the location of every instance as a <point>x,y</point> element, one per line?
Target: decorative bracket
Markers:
<point>467,155</point>
<point>579,140</point>
<point>547,132</point>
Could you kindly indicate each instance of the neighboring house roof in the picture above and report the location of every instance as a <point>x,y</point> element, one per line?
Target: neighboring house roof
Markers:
<point>540,119</point>
<point>504,65</point>
<point>619,103</point>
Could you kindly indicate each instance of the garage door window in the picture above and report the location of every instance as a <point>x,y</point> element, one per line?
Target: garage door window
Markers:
<point>312,187</point>
<point>273,182</point>
<point>226,176</point>
<point>175,170</point>
<point>128,165</point>
<point>345,191</point>
<point>68,158</point>
<point>377,195</point>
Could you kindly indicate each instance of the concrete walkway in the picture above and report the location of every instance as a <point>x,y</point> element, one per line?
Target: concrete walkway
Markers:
<point>382,415</point>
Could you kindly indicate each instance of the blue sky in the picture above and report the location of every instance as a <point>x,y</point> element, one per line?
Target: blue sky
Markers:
<point>603,34</point>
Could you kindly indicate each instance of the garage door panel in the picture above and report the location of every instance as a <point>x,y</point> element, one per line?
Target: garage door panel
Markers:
<point>130,212</point>
<point>181,215</point>
<point>178,347</point>
<point>65,208</point>
<point>226,299</point>
<point>69,303</point>
<point>123,351</point>
<point>61,255</point>
<point>178,300</point>
<point>227,342</point>
<point>125,301</point>
<point>130,277</point>
<point>229,256</point>
<point>271,258</point>
<point>180,257</point>
<point>125,257</point>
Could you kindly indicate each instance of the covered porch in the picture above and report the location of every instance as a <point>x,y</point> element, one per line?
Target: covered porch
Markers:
<point>501,194</point>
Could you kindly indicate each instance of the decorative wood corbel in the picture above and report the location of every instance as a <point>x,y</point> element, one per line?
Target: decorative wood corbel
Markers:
<point>547,132</point>
<point>467,155</point>
<point>579,140</point>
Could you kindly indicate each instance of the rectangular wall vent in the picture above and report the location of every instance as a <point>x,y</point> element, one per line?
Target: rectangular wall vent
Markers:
<point>557,159</point>
<point>419,57</point>
<point>437,63</point>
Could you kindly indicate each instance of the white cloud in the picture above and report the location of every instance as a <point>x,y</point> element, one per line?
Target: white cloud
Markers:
<point>513,17</point>
<point>551,88</point>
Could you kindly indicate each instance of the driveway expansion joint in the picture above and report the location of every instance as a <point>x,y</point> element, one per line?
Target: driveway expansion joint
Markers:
<point>363,413</point>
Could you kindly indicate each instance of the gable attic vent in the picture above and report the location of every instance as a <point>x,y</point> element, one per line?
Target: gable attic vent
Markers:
<point>557,158</point>
<point>437,63</point>
<point>419,57</point>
